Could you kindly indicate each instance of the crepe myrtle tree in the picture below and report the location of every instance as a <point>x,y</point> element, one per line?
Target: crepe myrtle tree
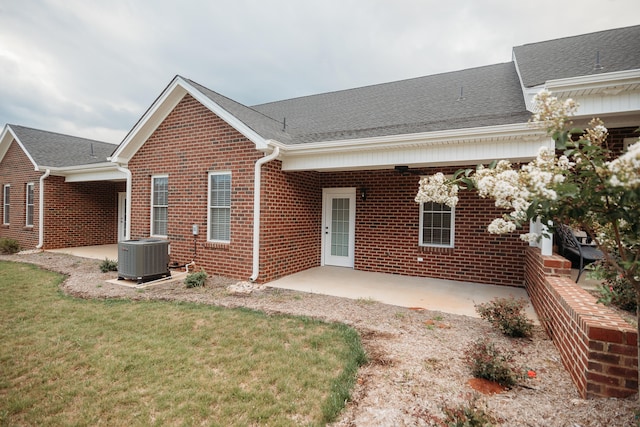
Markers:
<point>581,182</point>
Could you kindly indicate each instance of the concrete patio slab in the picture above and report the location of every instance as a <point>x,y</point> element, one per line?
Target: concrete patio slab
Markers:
<point>433,294</point>
<point>416,292</point>
<point>93,252</point>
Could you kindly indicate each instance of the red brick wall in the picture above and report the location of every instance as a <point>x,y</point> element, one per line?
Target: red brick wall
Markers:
<point>597,347</point>
<point>17,170</point>
<point>188,144</point>
<point>291,215</point>
<point>80,213</point>
<point>387,233</point>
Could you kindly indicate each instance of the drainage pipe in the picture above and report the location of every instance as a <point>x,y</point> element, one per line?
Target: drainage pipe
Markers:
<point>127,231</point>
<point>256,211</point>
<point>41,209</point>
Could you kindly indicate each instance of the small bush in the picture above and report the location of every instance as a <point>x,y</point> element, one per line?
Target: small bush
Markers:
<point>488,362</point>
<point>197,279</point>
<point>9,246</point>
<point>507,315</point>
<point>618,292</point>
<point>108,265</point>
<point>469,414</point>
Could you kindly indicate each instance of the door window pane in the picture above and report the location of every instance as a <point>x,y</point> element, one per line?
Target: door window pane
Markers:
<point>340,227</point>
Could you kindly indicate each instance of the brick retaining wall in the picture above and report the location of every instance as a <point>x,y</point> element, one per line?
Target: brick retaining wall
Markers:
<point>597,347</point>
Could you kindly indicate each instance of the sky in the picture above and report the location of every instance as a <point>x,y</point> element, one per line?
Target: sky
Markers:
<point>91,68</point>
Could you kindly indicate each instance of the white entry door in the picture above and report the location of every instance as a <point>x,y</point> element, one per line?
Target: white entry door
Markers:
<point>122,216</point>
<point>338,226</point>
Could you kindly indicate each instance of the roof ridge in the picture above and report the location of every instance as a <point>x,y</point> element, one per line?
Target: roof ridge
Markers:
<point>577,35</point>
<point>381,84</point>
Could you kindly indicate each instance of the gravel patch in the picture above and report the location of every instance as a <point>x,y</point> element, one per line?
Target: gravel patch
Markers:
<point>415,365</point>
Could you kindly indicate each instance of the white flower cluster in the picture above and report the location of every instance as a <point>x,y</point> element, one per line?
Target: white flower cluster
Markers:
<point>437,189</point>
<point>625,170</point>
<point>505,186</point>
<point>513,190</point>
<point>544,172</point>
<point>500,226</point>
<point>550,112</point>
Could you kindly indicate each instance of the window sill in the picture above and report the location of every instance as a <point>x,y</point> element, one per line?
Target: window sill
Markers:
<point>436,249</point>
<point>217,245</point>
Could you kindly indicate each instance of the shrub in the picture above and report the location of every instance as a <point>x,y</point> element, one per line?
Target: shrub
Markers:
<point>197,279</point>
<point>488,362</point>
<point>469,414</point>
<point>507,315</point>
<point>108,265</point>
<point>615,290</point>
<point>9,246</point>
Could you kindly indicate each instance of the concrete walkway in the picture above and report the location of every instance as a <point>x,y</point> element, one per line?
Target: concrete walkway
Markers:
<point>433,294</point>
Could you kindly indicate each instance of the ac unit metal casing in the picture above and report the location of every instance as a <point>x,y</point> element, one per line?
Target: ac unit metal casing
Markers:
<point>143,260</point>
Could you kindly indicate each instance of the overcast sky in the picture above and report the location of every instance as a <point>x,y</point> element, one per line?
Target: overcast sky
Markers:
<point>91,68</point>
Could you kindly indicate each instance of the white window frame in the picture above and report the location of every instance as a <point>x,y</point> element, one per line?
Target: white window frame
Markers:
<point>6,204</point>
<point>153,205</point>
<point>29,210</point>
<point>434,245</point>
<point>210,207</point>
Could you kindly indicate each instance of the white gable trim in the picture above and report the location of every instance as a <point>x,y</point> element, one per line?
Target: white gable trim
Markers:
<point>161,108</point>
<point>6,138</point>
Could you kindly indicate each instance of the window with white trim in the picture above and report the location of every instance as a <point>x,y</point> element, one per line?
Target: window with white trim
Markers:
<point>159,205</point>
<point>219,215</point>
<point>29,209</point>
<point>436,225</point>
<point>6,190</point>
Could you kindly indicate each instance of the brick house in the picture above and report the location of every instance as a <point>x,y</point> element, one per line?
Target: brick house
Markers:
<point>57,190</point>
<point>330,179</point>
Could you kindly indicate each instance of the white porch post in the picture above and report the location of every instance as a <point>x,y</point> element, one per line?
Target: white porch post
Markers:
<point>546,242</point>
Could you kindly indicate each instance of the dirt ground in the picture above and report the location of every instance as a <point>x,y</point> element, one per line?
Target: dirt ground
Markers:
<point>416,356</point>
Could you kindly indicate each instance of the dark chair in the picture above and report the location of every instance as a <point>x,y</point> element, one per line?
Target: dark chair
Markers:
<point>570,243</point>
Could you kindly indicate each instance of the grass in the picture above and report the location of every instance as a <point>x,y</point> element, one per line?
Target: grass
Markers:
<point>66,361</point>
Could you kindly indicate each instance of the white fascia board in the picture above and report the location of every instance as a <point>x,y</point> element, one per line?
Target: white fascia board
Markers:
<point>609,85</point>
<point>105,171</point>
<point>232,120</point>
<point>394,142</point>
<point>5,142</point>
<point>624,80</point>
<point>517,142</point>
<point>158,111</point>
<point>161,108</point>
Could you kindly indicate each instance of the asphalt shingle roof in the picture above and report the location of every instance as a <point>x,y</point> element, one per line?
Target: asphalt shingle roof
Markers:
<point>617,49</point>
<point>491,95</point>
<point>58,150</point>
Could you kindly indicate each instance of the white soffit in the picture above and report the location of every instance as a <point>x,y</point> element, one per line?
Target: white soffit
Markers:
<point>85,173</point>
<point>463,146</point>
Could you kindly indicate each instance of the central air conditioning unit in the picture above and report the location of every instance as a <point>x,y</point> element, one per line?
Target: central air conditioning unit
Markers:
<point>143,260</point>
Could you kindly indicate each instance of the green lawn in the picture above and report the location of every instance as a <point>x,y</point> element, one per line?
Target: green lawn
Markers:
<point>66,361</point>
